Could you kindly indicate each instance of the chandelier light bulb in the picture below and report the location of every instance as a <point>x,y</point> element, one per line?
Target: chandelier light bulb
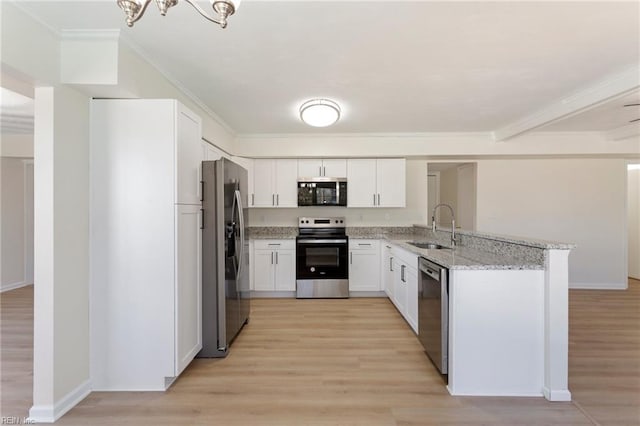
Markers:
<point>319,112</point>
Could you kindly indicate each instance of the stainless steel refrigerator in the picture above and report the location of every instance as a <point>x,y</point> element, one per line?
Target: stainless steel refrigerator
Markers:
<point>225,256</point>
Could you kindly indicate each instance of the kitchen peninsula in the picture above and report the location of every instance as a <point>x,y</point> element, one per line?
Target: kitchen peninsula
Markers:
<point>508,305</point>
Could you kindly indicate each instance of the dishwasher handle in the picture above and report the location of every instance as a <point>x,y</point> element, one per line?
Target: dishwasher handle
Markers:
<point>430,269</point>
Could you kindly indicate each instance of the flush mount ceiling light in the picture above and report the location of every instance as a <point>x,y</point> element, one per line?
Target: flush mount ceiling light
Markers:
<point>319,112</point>
<point>134,9</point>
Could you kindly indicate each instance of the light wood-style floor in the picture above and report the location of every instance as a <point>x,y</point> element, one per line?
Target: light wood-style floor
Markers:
<point>351,362</point>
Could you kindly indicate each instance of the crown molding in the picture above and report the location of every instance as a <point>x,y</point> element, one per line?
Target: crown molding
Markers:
<point>611,87</point>
<point>90,35</point>
<point>423,135</point>
<point>623,132</point>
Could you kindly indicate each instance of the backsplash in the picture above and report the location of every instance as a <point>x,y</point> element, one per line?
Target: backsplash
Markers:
<point>388,217</point>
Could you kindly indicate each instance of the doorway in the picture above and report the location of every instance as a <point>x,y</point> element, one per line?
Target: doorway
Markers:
<point>453,184</point>
<point>633,220</point>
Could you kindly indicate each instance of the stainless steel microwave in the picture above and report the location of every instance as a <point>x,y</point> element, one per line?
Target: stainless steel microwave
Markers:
<point>321,191</point>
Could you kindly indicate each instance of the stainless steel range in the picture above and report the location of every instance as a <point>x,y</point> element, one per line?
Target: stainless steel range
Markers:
<point>322,258</point>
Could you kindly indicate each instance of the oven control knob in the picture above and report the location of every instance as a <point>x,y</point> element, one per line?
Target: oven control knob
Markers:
<point>313,269</point>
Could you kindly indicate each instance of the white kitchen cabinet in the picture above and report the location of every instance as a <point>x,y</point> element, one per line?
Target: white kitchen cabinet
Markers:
<point>411,314</point>
<point>386,270</point>
<point>400,286</point>
<point>188,285</point>
<point>391,182</point>
<point>274,265</point>
<point>275,183</point>
<point>364,265</point>
<point>336,168</point>
<point>188,128</point>
<point>145,278</point>
<point>405,285</point>
<point>376,182</point>
<point>361,183</point>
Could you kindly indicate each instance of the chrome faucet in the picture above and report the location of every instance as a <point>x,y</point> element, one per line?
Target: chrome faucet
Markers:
<point>453,222</point>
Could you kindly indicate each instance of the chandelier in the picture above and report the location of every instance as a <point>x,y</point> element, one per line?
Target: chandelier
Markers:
<point>134,9</point>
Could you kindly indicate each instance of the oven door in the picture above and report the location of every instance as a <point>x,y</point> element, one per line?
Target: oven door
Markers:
<point>322,258</point>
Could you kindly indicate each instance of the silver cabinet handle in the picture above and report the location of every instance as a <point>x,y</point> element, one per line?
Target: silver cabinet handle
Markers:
<point>272,258</point>
<point>276,258</point>
<point>201,218</point>
<point>351,258</point>
<point>277,199</point>
<point>402,273</point>
<point>391,264</point>
<point>201,190</point>
<point>364,244</point>
<point>273,199</point>
<point>378,199</point>
<point>374,199</point>
<point>319,170</point>
<point>253,199</point>
<point>324,171</point>
<point>273,244</point>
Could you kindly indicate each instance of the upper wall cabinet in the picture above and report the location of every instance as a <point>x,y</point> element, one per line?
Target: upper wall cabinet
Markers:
<point>376,183</point>
<point>322,168</point>
<point>188,155</point>
<point>275,183</point>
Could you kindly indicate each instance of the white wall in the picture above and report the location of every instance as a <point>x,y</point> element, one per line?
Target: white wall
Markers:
<point>415,212</point>
<point>434,146</point>
<point>71,239</point>
<point>579,201</point>
<point>17,146</point>
<point>633,213</point>
<point>466,202</point>
<point>448,195</point>
<point>13,224</point>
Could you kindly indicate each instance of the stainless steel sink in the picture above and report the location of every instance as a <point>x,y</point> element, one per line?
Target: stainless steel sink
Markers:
<point>426,245</point>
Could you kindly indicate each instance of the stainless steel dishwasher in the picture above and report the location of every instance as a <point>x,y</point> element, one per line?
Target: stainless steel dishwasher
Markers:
<point>433,313</point>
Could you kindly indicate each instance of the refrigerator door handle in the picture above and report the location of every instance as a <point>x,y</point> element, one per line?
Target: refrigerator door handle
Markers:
<point>237,200</point>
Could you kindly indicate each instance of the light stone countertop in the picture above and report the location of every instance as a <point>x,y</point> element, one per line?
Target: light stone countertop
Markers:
<point>479,251</point>
<point>465,258</point>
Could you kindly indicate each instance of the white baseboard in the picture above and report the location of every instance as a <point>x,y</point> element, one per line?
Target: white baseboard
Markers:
<point>51,413</point>
<point>557,395</point>
<point>598,286</point>
<point>13,286</point>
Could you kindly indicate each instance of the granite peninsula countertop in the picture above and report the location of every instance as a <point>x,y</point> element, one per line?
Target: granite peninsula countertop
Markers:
<point>479,251</point>
<point>466,258</point>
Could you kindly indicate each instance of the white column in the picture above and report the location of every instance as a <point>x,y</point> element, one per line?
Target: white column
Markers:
<point>556,326</point>
<point>43,324</point>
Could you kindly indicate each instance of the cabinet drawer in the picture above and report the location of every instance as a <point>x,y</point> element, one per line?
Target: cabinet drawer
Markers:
<point>410,259</point>
<point>363,244</point>
<point>274,244</point>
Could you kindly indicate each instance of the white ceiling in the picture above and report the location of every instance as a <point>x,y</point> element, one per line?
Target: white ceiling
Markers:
<point>421,66</point>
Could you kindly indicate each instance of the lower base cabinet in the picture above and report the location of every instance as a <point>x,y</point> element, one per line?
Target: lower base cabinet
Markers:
<point>401,283</point>
<point>274,265</point>
<point>364,265</point>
